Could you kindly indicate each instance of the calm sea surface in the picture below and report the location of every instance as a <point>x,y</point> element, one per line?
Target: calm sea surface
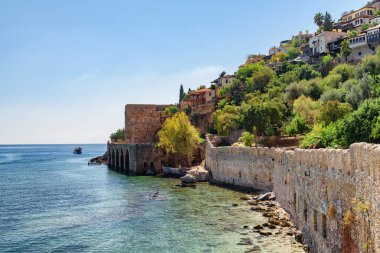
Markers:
<point>51,201</point>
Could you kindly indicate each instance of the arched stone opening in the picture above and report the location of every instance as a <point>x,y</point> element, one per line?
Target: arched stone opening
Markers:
<point>117,159</point>
<point>126,159</point>
<point>113,159</point>
<point>122,164</point>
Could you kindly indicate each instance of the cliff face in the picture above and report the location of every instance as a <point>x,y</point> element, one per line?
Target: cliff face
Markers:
<point>323,190</point>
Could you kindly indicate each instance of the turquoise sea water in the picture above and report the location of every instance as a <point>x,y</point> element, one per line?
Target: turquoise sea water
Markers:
<point>51,201</point>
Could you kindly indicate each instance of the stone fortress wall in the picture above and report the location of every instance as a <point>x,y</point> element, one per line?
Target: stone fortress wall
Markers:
<point>316,187</point>
<point>142,122</point>
<point>138,155</point>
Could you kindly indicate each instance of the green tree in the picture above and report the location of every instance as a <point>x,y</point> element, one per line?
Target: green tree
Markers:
<point>361,125</point>
<point>295,90</point>
<point>345,50</point>
<point>236,92</point>
<point>320,137</point>
<point>118,135</point>
<point>260,114</point>
<point>297,126</point>
<point>171,110</point>
<point>247,71</point>
<point>358,91</point>
<point>307,108</point>
<point>226,120</point>
<point>319,19</point>
<point>293,53</point>
<point>333,111</point>
<point>346,71</point>
<point>247,139</point>
<point>307,72</point>
<point>178,135</point>
<point>364,27</point>
<point>332,94</point>
<point>262,78</point>
<point>181,93</point>
<point>328,22</point>
<point>296,42</point>
<point>326,64</point>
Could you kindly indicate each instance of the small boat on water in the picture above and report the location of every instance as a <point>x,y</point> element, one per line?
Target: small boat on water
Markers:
<point>77,150</point>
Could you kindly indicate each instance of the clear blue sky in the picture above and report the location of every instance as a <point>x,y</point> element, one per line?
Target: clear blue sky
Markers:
<point>67,68</point>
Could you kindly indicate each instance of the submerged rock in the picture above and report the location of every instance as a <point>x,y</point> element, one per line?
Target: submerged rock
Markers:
<point>98,160</point>
<point>245,197</point>
<point>174,172</point>
<point>188,181</point>
<point>245,241</point>
<point>265,233</point>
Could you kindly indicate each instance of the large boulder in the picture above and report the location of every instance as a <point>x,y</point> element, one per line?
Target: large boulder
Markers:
<point>200,173</point>
<point>188,180</point>
<point>174,172</point>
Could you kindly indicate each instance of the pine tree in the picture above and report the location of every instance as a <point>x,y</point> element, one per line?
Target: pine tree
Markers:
<point>328,23</point>
<point>181,93</point>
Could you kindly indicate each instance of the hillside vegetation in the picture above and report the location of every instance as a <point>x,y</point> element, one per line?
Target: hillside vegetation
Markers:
<point>328,105</point>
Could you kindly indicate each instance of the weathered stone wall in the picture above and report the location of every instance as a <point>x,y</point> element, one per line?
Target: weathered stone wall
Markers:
<point>240,166</point>
<point>142,122</point>
<point>316,187</point>
<point>365,160</point>
<point>201,116</point>
<point>134,159</point>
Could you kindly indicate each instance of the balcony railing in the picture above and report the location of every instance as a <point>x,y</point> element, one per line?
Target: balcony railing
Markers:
<point>374,38</point>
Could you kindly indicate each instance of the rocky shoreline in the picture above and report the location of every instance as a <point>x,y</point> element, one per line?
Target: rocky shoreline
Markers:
<point>277,225</point>
<point>278,222</point>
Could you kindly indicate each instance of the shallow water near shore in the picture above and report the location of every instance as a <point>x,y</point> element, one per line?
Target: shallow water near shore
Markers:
<point>51,201</point>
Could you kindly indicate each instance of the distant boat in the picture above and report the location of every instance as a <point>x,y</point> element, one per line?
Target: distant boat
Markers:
<point>77,150</point>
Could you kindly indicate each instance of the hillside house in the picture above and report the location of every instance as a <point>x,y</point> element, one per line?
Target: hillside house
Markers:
<point>197,98</point>
<point>319,43</point>
<point>223,81</point>
<point>353,20</point>
<point>359,46</point>
<point>373,36</point>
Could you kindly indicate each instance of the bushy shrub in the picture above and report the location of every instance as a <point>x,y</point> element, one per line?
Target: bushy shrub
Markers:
<point>346,71</point>
<point>226,120</point>
<point>247,139</point>
<point>295,90</point>
<point>332,95</point>
<point>333,111</point>
<point>297,126</point>
<point>171,110</point>
<point>260,113</point>
<point>332,81</point>
<point>262,78</point>
<point>358,91</point>
<point>247,71</point>
<point>307,109</point>
<point>358,126</point>
<point>320,137</point>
